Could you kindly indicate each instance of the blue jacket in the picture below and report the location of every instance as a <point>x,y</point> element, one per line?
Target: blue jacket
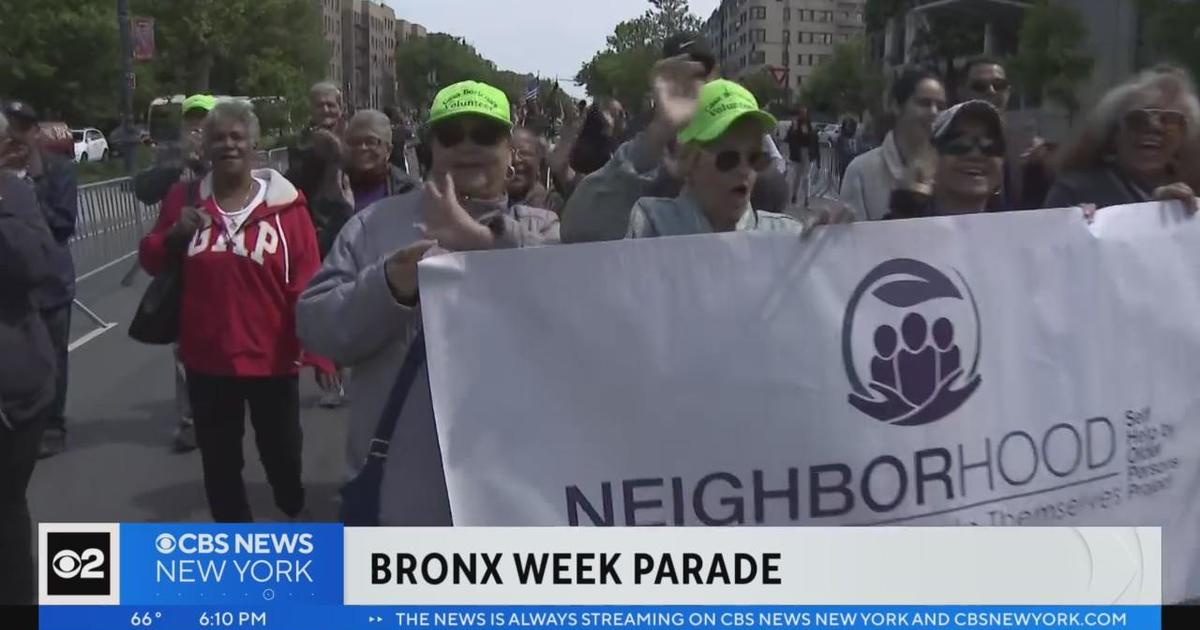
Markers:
<point>58,196</point>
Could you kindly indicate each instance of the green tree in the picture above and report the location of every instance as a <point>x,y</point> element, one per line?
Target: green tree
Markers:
<point>846,83</point>
<point>1173,31</point>
<point>61,57</point>
<point>1050,62</point>
<point>764,87</point>
<point>622,69</point>
<point>425,65</point>
<point>244,47</point>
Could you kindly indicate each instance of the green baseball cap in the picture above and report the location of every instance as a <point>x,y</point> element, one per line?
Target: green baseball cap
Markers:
<point>470,97</point>
<point>199,101</point>
<point>722,103</point>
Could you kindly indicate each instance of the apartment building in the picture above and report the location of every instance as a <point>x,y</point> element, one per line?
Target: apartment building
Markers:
<point>788,38</point>
<point>369,54</point>
<point>406,30</point>
<point>331,31</point>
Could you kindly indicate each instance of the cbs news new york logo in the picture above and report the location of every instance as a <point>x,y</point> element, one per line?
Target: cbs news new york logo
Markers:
<point>78,563</point>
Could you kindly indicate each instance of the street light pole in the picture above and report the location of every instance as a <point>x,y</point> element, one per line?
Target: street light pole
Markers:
<point>127,141</point>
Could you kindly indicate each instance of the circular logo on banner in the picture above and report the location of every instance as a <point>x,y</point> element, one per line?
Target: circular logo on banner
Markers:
<point>911,341</point>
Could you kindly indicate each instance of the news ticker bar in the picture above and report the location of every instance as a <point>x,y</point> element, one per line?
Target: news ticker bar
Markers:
<point>319,565</point>
<point>639,617</point>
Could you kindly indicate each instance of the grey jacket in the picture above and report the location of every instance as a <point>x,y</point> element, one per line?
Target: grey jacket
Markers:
<point>599,209</point>
<point>870,179</point>
<point>349,315</point>
<point>656,216</point>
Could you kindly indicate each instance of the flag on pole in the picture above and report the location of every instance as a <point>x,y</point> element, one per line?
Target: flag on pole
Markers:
<point>531,89</point>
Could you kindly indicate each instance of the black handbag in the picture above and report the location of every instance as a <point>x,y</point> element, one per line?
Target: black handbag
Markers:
<point>156,321</point>
<point>360,495</point>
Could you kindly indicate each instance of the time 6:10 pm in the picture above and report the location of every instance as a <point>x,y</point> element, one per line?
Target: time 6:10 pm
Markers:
<point>227,619</point>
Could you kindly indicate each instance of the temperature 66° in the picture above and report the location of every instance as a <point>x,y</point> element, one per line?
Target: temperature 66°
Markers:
<point>144,619</point>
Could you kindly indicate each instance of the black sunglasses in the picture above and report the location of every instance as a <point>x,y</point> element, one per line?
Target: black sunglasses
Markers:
<point>959,147</point>
<point>982,86</point>
<point>728,160</point>
<point>1149,119</point>
<point>483,133</point>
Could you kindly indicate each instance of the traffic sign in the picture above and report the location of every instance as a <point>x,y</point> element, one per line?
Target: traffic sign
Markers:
<point>780,75</point>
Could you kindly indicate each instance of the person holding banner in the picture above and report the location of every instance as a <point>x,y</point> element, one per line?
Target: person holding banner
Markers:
<point>966,171</point>
<point>1131,149</point>
<point>361,309</point>
<point>720,158</point>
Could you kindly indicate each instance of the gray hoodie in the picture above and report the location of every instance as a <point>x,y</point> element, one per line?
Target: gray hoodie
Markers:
<point>348,314</point>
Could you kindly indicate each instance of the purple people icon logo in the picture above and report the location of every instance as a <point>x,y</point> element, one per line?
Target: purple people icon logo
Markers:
<point>911,341</point>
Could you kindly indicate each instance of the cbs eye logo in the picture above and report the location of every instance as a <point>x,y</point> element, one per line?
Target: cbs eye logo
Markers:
<point>79,563</point>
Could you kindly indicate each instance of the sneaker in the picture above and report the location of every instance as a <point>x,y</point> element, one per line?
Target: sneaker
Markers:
<point>54,441</point>
<point>185,436</point>
<point>333,398</point>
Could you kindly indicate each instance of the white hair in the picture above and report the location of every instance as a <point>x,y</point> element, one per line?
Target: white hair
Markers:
<point>374,121</point>
<point>325,88</point>
<point>3,124</point>
<point>1094,142</point>
<point>239,111</point>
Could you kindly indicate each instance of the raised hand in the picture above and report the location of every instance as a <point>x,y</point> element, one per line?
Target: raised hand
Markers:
<point>190,220</point>
<point>448,223</point>
<point>677,82</point>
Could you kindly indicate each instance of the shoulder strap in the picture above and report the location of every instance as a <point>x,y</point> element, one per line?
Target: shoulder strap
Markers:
<point>397,397</point>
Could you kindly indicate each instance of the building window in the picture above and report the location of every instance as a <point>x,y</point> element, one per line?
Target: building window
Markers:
<point>800,60</point>
<point>787,37</point>
<point>758,35</point>
<point>758,56</point>
<point>787,14</point>
<point>799,80</point>
<point>785,58</point>
<point>758,13</point>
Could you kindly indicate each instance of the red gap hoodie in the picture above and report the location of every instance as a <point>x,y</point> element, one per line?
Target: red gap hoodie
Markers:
<point>238,316</point>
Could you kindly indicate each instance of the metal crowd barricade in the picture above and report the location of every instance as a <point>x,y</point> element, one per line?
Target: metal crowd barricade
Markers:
<point>110,224</point>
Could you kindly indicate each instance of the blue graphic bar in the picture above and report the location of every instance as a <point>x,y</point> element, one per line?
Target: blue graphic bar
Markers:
<point>642,617</point>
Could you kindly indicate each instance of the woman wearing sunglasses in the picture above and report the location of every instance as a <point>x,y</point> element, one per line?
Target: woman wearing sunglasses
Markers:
<point>965,169</point>
<point>1131,148</point>
<point>721,155</point>
<point>361,309</point>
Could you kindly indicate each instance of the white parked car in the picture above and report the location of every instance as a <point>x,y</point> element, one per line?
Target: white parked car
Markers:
<point>90,145</point>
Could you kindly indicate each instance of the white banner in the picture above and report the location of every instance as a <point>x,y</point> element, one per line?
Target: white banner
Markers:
<point>998,369</point>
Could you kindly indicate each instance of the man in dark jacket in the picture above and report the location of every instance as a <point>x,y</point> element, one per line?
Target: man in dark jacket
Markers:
<point>57,195</point>
<point>27,370</point>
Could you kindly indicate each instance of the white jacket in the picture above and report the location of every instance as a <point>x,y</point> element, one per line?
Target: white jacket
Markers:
<point>870,179</point>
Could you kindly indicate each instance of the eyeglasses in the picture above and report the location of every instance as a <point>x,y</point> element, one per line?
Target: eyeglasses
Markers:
<point>728,160</point>
<point>963,146</point>
<point>1149,119</point>
<point>483,133</point>
<point>983,86</point>
<point>365,142</point>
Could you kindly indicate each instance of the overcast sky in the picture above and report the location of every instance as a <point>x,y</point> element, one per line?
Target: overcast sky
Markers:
<point>547,37</point>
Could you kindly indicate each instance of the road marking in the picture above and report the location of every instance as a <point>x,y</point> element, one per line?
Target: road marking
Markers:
<point>103,267</point>
<point>89,337</point>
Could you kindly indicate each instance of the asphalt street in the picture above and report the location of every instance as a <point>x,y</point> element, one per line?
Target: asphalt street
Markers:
<point>119,465</point>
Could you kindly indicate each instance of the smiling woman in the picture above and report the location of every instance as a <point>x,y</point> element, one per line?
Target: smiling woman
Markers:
<point>1132,147</point>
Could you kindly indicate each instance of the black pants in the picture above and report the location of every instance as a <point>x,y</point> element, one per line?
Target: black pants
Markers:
<point>219,409</point>
<point>18,454</point>
<point>58,323</point>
